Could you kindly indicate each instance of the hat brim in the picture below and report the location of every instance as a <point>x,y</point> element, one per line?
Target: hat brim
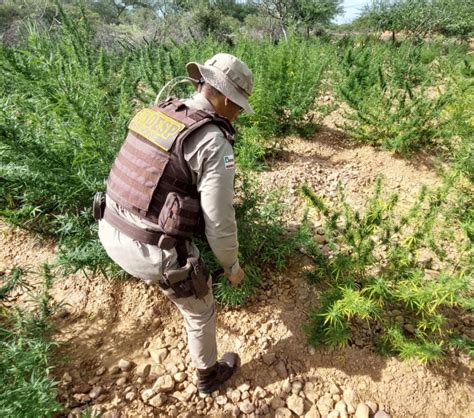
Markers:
<point>217,79</point>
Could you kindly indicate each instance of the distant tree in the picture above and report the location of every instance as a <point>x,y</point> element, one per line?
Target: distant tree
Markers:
<point>420,17</point>
<point>306,13</point>
<point>310,13</point>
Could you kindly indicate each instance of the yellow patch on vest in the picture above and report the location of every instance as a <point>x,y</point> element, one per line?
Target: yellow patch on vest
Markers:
<point>156,127</point>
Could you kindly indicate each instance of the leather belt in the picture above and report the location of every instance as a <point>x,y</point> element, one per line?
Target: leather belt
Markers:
<point>131,230</point>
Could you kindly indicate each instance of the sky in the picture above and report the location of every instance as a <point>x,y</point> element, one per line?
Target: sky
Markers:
<point>352,9</point>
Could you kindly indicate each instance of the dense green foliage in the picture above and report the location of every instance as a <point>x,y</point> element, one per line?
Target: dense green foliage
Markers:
<point>421,17</point>
<point>395,94</point>
<point>383,264</point>
<point>27,387</point>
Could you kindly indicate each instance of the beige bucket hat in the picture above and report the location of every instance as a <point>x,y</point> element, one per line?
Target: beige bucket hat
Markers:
<point>227,74</point>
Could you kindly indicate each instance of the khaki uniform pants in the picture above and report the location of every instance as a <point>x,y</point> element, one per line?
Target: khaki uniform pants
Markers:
<point>148,262</point>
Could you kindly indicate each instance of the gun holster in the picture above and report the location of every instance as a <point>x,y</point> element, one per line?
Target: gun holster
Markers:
<point>98,207</point>
<point>188,280</point>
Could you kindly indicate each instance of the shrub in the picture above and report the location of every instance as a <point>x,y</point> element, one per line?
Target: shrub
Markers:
<point>386,89</point>
<point>27,387</point>
<point>379,265</point>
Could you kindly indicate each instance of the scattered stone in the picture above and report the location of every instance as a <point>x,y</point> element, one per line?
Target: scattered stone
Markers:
<point>147,394</point>
<point>158,400</point>
<point>310,393</point>
<point>269,358</point>
<point>362,411</point>
<point>277,403</point>
<point>130,396</point>
<point>125,365</point>
<point>221,400</point>
<point>67,377</point>
<point>286,387</point>
<point>295,404</point>
<point>280,368</point>
<point>325,404</point>
<point>245,395</point>
<point>235,396</point>
<point>320,239</point>
<point>244,387</point>
<point>173,411</point>
<point>100,371</point>
<point>159,356</point>
<point>296,387</point>
<point>95,392</point>
<point>313,413</point>
<point>164,384</point>
<point>143,370</point>
<point>341,407</point>
<point>334,389</point>
<point>259,393</point>
<point>410,328</point>
<point>81,387</point>
<point>114,369</point>
<point>333,414</point>
<point>311,350</point>
<point>121,381</point>
<point>180,377</point>
<point>112,414</point>
<point>382,414</point>
<point>283,413</point>
<point>246,407</point>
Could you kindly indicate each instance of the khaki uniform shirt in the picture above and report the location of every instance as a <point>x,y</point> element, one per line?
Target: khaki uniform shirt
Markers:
<point>211,161</point>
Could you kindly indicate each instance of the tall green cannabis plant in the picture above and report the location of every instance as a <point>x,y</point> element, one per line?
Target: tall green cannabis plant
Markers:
<point>382,271</point>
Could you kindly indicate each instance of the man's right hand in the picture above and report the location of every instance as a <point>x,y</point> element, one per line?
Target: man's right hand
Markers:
<point>237,277</point>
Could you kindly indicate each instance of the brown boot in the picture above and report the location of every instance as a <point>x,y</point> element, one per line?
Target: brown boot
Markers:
<point>210,379</point>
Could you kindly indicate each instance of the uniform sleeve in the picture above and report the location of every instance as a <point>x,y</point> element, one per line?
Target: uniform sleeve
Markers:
<point>211,158</point>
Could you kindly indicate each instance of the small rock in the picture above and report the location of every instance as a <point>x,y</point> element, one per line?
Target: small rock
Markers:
<point>269,358</point>
<point>158,400</point>
<point>114,369</point>
<point>259,393</point>
<point>410,328</point>
<point>325,404</point>
<point>66,377</point>
<point>283,413</point>
<point>164,384</point>
<point>100,371</point>
<point>125,365</point>
<point>311,350</point>
<point>382,414</point>
<point>296,387</point>
<point>362,411</point>
<point>95,392</point>
<point>320,239</point>
<point>81,387</point>
<point>173,411</point>
<point>221,400</point>
<point>143,370</point>
<point>280,368</point>
<point>235,396</point>
<point>313,413</point>
<point>245,395</point>
<point>286,387</point>
<point>295,404</point>
<point>180,377</point>
<point>147,394</point>
<point>333,414</point>
<point>130,396</point>
<point>159,356</point>
<point>121,381</point>
<point>246,407</point>
<point>341,407</point>
<point>244,387</point>
<point>334,389</point>
<point>277,403</point>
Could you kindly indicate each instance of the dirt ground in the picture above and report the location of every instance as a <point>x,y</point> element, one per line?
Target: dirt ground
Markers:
<point>104,321</point>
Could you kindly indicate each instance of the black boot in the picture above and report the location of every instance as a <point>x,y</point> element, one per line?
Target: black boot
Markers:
<point>210,379</point>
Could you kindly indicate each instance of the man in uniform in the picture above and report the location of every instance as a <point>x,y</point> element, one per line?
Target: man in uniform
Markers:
<point>177,154</point>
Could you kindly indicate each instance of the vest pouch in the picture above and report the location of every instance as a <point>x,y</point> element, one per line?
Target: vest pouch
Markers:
<point>179,216</point>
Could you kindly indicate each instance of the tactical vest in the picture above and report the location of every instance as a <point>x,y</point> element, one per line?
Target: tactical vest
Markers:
<point>150,166</point>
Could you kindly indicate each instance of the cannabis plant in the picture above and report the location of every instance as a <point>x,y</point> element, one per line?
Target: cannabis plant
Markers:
<point>390,270</point>
<point>390,104</point>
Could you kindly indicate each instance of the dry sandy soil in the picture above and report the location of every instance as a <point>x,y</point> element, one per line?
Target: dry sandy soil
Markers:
<point>104,321</point>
